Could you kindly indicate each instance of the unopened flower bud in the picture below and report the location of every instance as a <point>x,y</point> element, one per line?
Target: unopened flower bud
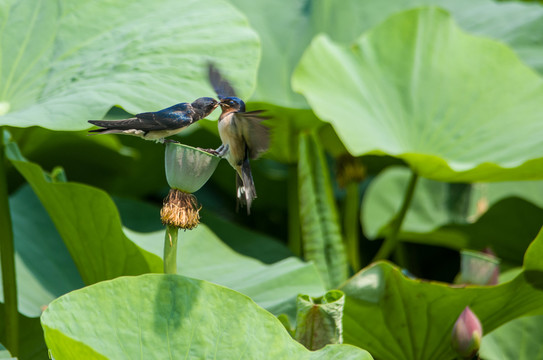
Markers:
<point>467,334</point>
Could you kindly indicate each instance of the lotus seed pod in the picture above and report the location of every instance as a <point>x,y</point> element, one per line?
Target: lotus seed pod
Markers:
<point>188,168</point>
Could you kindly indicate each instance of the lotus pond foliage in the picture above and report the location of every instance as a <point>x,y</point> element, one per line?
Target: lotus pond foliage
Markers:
<point>399,207</point>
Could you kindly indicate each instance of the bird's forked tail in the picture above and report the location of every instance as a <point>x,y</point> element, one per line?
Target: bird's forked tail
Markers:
<point>246,191</point>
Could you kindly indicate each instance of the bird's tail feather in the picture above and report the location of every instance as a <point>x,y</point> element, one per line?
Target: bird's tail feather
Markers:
<point>246,191</point>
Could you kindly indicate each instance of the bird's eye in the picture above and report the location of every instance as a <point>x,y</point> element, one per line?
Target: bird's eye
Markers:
<point>231,103</point>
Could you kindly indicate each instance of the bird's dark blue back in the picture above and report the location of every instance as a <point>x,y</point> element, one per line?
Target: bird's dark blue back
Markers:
<point>179,114</point>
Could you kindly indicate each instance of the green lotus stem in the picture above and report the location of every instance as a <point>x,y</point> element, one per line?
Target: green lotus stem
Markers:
<point>294,229</point>
<point>351,223</point>
<point>391,239</point>
<point>7,259</point>
<point>170,250</point>
<point>400,256</point>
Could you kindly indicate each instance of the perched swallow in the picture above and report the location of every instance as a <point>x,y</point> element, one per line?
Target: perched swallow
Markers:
<point>160,124</point>
<point>242,134</point>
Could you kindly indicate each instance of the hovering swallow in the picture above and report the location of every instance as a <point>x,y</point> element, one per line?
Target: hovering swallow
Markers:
<point>242,134</point>
<point>160,124</point>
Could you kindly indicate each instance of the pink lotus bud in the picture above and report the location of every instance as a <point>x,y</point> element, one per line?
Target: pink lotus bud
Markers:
<point>467,334</point>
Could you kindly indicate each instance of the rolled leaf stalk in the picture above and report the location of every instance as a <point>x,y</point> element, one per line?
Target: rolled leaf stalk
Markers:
<point>319,320</point>
<point>187,170</point>
<point>7,260</point>
<point>391,240</point>
<point>320,224</point>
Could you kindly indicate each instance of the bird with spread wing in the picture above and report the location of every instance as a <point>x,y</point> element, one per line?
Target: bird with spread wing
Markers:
<point>242,133</point>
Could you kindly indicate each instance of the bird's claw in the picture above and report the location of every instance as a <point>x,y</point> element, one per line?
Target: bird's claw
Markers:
<point>165,141</point>
<point>222,150</point>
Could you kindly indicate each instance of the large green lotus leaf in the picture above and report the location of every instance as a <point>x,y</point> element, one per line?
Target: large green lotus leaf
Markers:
<point>170,316</point>
<point>520,339</point>
<point>89,224</point>
<point>276,20</point>
<point>395,317</point>
<point>65,62</point>
<point>400,89</point>
<point>482,17</point>
<point>43,265</point>
<point>507,227</point>
<point>202,255</point>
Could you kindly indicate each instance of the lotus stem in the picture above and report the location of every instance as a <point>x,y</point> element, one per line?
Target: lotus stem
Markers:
<point>170,250</point>
<point>351,223</point>
<point>391,240</point>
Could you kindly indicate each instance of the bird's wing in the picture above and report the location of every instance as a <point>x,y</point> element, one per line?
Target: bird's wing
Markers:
<point>165,119</point>
<point>160,120</point>
<point>256,135</point>
<point>221,86</point>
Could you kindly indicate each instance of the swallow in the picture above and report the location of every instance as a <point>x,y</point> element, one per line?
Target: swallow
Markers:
<point>242,134</point>
<point>159,124</point>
